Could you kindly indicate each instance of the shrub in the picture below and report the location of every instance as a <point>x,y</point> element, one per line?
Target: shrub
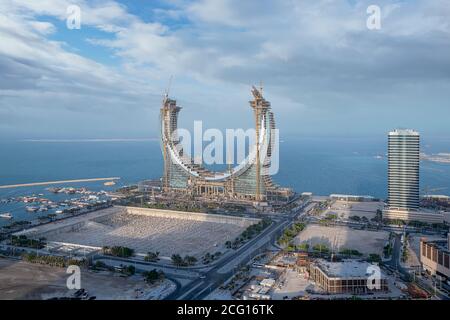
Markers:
<point>118,251</point>
<point>153,276</point>
<point>321,248</point>
<point>152,256</point>
<point>373,257</point>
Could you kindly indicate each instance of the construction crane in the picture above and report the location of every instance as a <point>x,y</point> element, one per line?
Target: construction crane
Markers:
<point>426,190</point>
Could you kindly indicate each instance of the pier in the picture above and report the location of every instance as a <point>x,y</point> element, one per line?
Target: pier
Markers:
<point>56,182</point>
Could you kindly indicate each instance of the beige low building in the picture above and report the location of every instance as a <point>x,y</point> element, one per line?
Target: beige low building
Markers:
<point>419,215</point>
<point>446,217</point>
<point>435,256</point>
<point>345,277</point>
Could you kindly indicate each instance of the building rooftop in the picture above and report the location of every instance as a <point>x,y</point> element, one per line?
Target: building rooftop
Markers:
<point>436,196</point>
<point>350,196</point>
<point>441,245</point>
<point>404,132</point>
<point>268,282</point>
<point>345,268</point>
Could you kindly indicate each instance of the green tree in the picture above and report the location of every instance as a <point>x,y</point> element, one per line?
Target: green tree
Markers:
<point>177,260</point>
<point>152,256</point>
<point>373,257</point>
<point>153,275</point>
<point>321,248</point>
<point>190,260</point>
<point>303,247</point>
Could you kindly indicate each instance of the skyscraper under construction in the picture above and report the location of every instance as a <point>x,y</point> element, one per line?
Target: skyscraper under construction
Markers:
<point>248,181</point>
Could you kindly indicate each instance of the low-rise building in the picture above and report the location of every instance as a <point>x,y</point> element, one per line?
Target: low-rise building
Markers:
<point>435,256</point>
<point>268,282</point>
<point>346,277</point>
<point>147,186</point>
<point>349,197</point>
<point>302,262</point>
<point>258,289</point>
<point>421,215</point>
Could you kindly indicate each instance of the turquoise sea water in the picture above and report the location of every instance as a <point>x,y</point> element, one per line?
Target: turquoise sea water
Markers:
<point>322,166</point>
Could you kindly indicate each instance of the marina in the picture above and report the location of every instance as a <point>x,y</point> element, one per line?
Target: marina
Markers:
<point>37,205</point>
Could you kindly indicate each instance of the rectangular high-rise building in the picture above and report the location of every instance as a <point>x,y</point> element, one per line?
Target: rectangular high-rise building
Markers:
<point>403,179</point>
<point>403,171</point>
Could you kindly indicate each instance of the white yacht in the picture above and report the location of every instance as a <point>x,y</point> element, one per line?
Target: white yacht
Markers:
<point>6,215</point>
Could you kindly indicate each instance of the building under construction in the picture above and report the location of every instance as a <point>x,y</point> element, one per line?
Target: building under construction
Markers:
<point>250,180</point>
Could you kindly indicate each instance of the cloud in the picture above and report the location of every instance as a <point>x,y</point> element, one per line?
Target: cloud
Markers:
<point>28,59</point>
<point>320,63</point>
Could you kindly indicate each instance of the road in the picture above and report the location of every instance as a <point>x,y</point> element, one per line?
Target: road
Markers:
<point>396,252</point>
<point>199,289</point>
<point>204,282</point>
<point>205,279</point>
<point>396,265</point>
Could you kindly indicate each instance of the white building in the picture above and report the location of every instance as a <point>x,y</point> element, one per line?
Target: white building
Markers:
<point>403,171</point>
<point>403,179</point>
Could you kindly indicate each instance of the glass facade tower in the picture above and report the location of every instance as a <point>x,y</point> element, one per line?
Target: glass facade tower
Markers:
<point>403,172</point>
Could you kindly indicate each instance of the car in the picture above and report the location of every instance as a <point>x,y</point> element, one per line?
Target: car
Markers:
<point>79,292</point>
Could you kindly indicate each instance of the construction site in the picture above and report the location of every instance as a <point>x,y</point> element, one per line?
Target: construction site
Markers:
<point>249,182</point>
<point>143,230</point>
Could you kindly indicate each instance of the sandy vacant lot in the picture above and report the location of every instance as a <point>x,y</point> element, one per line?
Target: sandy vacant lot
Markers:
<point>345,209</point>
<point>26,281</point>
<point>364,241</point>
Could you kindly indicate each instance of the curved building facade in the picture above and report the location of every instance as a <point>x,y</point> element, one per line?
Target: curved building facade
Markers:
<point>403,172</point>
<point>250,180</point>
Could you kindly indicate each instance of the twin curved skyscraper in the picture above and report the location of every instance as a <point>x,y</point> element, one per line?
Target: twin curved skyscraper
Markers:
<point>250,180</point>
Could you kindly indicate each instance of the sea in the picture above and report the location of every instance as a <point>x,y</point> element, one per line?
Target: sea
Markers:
<point>319,165</point>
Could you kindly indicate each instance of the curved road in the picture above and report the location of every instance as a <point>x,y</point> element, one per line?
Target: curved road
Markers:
<point>205,279</point>
<point>199,289</point>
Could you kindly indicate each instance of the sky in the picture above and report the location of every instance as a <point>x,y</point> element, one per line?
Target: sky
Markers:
<point>324,72</point>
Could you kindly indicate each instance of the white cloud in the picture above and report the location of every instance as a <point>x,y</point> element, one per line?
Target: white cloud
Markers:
<point>318,53</point>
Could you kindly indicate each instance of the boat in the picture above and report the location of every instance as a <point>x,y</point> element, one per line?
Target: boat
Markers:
<point>42,209</point>
<point>32,209</point>
<point>109,183</point>
<point>6,215</point>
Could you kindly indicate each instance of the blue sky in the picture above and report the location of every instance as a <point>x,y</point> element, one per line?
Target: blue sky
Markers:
<point>324,72</point>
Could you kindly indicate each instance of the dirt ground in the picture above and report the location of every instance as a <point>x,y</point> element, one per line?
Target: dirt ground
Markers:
<point>147,233</point>
<point>346,209</point>
<point>26,281</point>
<point>340,237</point>
<point>293,284</point>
